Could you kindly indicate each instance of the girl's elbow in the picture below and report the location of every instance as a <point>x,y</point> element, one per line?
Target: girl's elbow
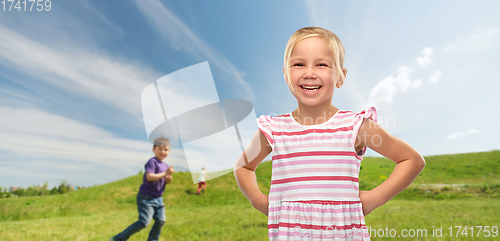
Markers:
<point>235,171</point>
<point>420,162</point>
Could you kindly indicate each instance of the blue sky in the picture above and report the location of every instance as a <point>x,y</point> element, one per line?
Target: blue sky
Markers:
<point>71,78</point>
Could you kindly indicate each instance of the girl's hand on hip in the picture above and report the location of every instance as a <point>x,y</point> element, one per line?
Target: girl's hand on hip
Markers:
<point>369,201</point>
<point>261,203</point>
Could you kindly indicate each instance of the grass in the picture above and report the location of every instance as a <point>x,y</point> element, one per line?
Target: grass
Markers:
<point>468,168</point>
<point>477,175</point>
<point>223,213</point>
<point>435,214</point>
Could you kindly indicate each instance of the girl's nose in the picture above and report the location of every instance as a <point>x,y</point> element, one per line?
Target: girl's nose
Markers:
<point>309,73</point>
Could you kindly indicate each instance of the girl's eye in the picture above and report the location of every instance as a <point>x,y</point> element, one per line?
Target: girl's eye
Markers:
<point>323,64</point>
<point>298,64</point>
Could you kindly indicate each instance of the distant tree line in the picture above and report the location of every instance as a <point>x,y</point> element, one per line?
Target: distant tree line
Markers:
<point>38,190</point>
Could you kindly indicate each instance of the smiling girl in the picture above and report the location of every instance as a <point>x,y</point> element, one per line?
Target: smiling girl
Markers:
<point>318,149</point>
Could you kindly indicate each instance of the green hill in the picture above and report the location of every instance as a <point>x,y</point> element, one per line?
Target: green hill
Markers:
<point>223,213</point>
<point>468,168</point>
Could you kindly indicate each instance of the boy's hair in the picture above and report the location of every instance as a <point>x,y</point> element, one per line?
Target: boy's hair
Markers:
<point>161,141</point>
<point>309,32</point>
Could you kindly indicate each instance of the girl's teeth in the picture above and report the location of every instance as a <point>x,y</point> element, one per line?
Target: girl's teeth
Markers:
<point>311,88</point>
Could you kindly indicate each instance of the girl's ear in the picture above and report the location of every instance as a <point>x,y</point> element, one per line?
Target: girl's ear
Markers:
<point>340,81</point>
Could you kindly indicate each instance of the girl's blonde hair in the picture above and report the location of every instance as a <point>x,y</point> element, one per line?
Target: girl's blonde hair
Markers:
<point>309,32</point>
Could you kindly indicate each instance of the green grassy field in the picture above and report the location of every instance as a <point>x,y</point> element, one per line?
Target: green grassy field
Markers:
<point>223,213</point>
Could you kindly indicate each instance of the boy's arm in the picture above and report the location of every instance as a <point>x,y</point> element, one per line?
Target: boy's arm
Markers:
<point>244,171</point>
<point>168,179</point>
<point>409,163</point>
<point>151,177</point>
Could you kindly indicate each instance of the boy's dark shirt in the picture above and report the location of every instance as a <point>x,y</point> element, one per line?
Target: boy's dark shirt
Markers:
<point>156,188</point>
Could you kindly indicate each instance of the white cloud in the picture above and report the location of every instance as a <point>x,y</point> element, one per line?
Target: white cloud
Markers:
<point>53,142</point>
<point>416,84</point>
<point>383,92</point>
<point>473,131</point>
<point>479,41</point>
<point>37,133</point>
<point>435,77</point>
<point>425,57</point>
<point>44,138</point>
<point>183,38</point>
<point>455,135</point>
<point>115,82</point>
<point>56,147</point>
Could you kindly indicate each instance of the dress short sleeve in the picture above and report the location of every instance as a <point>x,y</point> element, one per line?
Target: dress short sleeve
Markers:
<point>264,123</point>
<point>370,113</point>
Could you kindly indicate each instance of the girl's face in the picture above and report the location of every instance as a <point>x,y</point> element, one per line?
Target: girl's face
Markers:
<point>312,73</point>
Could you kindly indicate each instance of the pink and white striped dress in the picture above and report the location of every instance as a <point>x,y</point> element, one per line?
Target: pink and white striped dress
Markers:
<point>314,191</point>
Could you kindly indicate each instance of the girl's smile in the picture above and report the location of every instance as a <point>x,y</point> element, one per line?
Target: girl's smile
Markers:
<point>311,88</point>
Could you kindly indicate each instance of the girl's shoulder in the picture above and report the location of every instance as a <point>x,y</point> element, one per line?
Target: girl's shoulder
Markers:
<point>268,123</point>
<point>267,119</point>
<point>369,112</point>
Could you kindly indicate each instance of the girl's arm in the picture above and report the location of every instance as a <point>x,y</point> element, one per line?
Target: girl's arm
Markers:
<point>409,163</point>
<point>244,171</point>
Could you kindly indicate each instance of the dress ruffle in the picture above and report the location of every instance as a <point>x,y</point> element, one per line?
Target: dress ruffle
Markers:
<point>264,123</point>
<point>344,219</point>
<point>370,113</point>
